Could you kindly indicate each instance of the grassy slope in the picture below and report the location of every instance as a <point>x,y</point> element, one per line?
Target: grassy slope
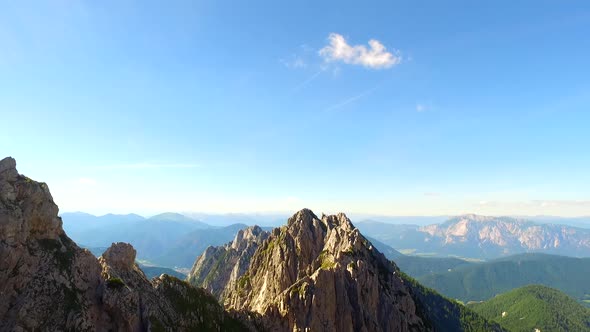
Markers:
<point>533,307</point>
<point>196,302</point>
<point>445,314</point>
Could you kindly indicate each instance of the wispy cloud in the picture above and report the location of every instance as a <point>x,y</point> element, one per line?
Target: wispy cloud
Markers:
<point>374,57</point>
<point>307,81</point>
<point>294,62</point>
<point>349,100</point>
<point>298,59</point>
<point>432,194</point>
<point>421,108</point>
<point>146,166</point>
<point>539,204</point>
<point>562,203</point>
<point>87,181</point>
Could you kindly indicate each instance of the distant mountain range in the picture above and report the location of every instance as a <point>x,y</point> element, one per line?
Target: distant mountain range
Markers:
<point>169,239</point>
<point>535,308</point>
<point>156,271</point>
<point>481,237</point>
<point>176,240</point>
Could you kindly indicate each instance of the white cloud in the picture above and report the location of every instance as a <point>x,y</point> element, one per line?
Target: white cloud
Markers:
<point>420,107</point>
<point>375,57</point>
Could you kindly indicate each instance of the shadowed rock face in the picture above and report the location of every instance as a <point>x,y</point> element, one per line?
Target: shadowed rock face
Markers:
<point>218,267</point>
<point>323,275</point>
<point>48,283</point>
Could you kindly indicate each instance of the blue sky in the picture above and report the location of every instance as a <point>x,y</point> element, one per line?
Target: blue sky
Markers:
<point>218,106</point>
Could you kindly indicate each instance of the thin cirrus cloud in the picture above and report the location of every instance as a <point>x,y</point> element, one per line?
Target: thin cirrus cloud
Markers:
<point>562,203</point>
<point>374,57</point>
<point>146,166</point>
<point>306,82</point>
<point>350,100</point>
<point>538,203</point>
<point>294,62</point>
<point>87,181</point>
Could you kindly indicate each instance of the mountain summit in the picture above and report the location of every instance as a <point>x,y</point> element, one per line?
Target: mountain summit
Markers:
<point>322,274</point>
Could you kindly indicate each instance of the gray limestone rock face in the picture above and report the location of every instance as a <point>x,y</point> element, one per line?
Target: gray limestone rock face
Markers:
<point>219,267</point>
<point>322,275</point>
<point>27,209</point>
<point>47,282</point>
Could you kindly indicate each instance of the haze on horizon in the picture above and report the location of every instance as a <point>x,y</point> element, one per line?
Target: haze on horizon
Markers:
<point>389,109</point>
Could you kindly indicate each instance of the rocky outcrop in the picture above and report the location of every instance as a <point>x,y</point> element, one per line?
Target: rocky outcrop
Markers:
<point>27,208</point>
<point>218,267</point>
<point>48,283</point>
<point>323,275</point>
<point>138,304</point>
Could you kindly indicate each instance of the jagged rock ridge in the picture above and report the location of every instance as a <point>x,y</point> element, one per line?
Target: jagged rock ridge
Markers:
<point>218,267</point>
<point>323,275</point>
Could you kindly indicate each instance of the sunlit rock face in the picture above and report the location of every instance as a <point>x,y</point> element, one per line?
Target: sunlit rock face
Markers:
<point>46,281</point>
<point>508,235</point>
<point>321,274</point>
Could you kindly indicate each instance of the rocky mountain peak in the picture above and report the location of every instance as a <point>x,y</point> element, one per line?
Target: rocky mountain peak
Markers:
<point>26,207</point>
<point>245,236</point>
<point>8,168</point>
<point>219,267</point>
<point>120,256</point>
<point>302,217</point>
<point>338,220</point>
<point>322,274</point>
